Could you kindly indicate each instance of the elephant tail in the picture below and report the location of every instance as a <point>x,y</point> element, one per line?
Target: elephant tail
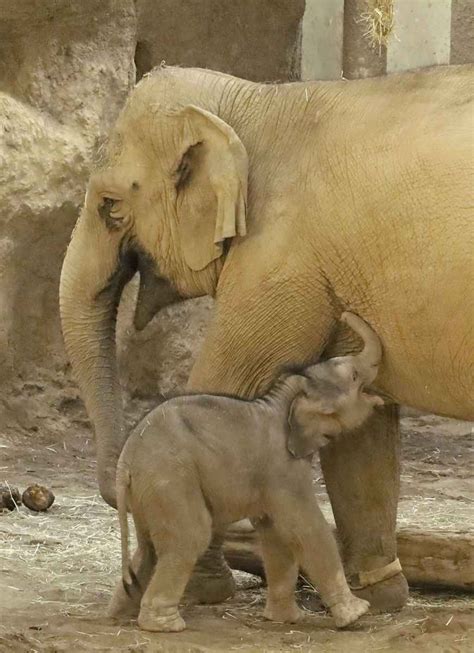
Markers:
<point>123,484</point>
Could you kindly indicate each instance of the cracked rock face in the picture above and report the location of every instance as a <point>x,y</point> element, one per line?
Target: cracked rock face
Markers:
<point>72,60</point>
<point>65,71</point>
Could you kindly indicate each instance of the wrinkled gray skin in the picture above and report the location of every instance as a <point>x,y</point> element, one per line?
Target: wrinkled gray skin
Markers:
<point>199,462</point>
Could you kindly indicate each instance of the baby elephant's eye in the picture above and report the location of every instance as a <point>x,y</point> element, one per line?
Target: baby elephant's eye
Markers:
<point>355,375</point>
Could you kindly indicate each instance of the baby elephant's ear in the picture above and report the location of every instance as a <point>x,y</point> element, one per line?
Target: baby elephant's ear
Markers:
<point>310,421</point>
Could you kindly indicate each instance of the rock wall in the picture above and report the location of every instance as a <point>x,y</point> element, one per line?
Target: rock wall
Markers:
<point>256,40</point>
<point>65,71</point>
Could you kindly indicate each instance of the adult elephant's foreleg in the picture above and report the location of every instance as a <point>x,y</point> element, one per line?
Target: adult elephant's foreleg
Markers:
<point>362,475</point>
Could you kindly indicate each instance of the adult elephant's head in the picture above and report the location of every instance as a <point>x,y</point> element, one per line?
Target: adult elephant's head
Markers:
<point>172,190</point>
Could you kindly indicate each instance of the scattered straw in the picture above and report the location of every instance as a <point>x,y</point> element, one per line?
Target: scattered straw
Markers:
<point>379,21</point>
<point>424,512</point>
<point>63,550</point>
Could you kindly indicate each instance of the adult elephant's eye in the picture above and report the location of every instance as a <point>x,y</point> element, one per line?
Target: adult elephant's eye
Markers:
<point>355,375</point>
<point>110,213</point>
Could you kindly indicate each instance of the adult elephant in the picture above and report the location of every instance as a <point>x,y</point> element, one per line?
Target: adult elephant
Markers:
<point>289,203</point>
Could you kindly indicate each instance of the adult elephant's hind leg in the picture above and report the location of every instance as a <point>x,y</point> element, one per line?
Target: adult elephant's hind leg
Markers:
<point>212,580</point>
<point>362,475</point>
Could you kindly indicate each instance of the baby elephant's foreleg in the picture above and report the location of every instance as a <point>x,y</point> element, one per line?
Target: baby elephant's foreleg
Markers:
<point>281,571</point>
<point>314,546</point>
<point>321,560</point>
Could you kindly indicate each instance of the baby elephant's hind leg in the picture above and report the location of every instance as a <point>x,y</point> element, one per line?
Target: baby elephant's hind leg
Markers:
<point>281,571</point>
<point>177,553</point>
<point>125,603</point>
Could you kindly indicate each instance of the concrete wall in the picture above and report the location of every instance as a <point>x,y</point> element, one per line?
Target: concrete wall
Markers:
<point>422,34</point>
<point>322,32</point>
<point>426,32</point>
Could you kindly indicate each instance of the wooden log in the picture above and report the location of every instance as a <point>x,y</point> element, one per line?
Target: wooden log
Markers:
<point>432,558</point>
<point>436,557</point>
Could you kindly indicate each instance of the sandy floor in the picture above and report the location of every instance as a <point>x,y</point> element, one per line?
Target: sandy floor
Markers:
<point>57,569</point>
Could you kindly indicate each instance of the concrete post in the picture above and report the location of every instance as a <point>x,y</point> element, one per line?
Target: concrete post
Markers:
<point>359,58</point>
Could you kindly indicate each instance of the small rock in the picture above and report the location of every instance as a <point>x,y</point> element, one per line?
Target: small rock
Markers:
<point>245,581</point>
<point>38,498</point>
<point>9,497</point>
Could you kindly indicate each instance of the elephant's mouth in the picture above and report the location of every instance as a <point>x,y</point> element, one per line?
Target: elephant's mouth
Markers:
<point>127,265</point>
<point>155,292</point>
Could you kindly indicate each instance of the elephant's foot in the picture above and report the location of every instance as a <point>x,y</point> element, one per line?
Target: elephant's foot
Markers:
<point>210,587</point>
<point>349,610</point>
<point>387,595</point>
<point>283,613</point>
<point>162,621</point>
<point>121,606</point>
<point>212,580</point>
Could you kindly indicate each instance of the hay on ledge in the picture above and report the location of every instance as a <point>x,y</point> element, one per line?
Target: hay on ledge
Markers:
<point>379,21</point>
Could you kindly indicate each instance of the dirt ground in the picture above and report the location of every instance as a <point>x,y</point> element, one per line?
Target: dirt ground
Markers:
<point>57,569</point>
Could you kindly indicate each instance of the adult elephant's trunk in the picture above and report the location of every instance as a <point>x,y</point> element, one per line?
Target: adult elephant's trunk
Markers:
<point>369,358</point>
<point>92,279</point>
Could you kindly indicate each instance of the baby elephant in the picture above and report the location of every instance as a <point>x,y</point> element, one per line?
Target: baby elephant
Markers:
<point>199,462</point>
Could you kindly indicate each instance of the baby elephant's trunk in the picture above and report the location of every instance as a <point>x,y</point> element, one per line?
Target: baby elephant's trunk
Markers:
<point>369,358</point>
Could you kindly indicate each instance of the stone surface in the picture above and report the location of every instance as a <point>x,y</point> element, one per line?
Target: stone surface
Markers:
<point>157,360</point>
<point>423,34</point>
<point>462,31</point>
<point>321,46</point>
<point>258,40</point>
<point>72,60</point>
<point>65,71</point>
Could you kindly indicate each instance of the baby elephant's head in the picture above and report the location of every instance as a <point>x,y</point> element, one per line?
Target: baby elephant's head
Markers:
<point>334,400</point>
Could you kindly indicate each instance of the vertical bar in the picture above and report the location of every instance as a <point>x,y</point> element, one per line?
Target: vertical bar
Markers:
<point>360,59</point>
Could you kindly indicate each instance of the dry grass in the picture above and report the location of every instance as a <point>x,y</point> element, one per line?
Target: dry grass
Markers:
<point>70,559</point>
<point>435,513</point>
<point>78,540</point>
<point>379,21</point>
<point>425,513</point>
<point>63,549</point>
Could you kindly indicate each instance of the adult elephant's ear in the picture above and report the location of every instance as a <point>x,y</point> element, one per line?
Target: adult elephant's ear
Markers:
<point>211,184</point>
